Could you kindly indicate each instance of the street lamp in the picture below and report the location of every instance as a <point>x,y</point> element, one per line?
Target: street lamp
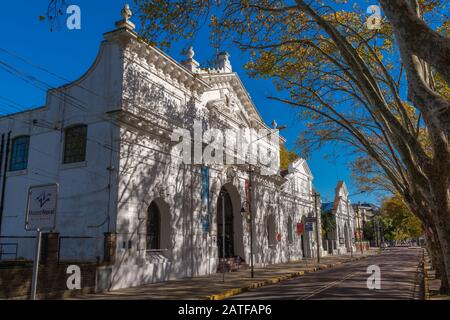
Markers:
<point>316,195</point>
<point>249,201</point>
<point>248,219</point>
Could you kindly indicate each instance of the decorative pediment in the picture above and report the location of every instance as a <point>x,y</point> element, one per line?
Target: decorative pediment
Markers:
<point>232,85</point>
<point>230,107</point>
<point>300,165</point>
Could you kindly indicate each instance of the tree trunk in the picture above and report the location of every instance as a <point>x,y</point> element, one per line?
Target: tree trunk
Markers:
<point>437,261</point>
<point>442,226</point>
<point>433,250</point>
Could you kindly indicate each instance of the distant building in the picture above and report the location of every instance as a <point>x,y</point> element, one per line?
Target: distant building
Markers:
<point>364,212</point>
<point>341,239</point>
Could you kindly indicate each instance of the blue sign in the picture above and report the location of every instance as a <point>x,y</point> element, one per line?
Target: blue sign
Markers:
<point>205,224</point>
<point>309,226</point>
<point>205,185</point>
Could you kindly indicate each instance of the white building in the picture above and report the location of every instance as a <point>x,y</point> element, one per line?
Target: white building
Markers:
<point>342,238</point>
<point>364,212</point>
<point>106,140</point>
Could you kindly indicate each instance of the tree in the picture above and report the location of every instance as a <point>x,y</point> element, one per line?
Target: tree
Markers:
<point>328,223</point>
<point>286,157</point>
<point>405,224</point>
<point>56,10</point>
<point>345,80</point>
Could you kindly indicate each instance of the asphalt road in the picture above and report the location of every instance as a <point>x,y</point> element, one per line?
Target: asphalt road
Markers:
<point>400,279</point>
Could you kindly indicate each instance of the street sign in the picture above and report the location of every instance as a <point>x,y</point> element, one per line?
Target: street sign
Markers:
<point>41,207</point>
<point>310,219</point>
<point>309,226</point>
<point>40,215</point>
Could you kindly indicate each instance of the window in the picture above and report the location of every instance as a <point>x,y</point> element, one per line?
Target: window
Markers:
<point>153,227</point>
<point>271,233</point>
<point>289,230</point>
<point>19,153</point>
<point>75,144</point>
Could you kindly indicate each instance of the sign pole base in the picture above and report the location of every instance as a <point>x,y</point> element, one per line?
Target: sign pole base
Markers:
<point>36,265</point>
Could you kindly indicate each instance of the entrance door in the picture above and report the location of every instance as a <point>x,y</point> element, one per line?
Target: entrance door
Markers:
<point>302,238</point>
<point>226,206</point>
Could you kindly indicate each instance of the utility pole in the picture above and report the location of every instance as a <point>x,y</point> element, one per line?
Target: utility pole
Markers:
<point>360,232</point>
<point>317,226</point>
<point>349,235</point>
<point>250,218</point>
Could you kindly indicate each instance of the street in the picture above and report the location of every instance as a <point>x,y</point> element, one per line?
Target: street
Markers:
<point>400,279</point>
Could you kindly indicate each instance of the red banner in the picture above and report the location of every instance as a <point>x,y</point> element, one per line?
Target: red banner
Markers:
<point>300,228</point>
<point>247,194</point>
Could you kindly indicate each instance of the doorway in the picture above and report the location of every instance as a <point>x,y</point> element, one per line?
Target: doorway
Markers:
<point>224,204</point>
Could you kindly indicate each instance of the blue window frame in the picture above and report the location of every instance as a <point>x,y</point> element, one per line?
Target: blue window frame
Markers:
<point>19,153</point>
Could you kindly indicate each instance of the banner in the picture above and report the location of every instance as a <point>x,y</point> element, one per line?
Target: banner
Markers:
<point>205,186</point>
<point>247,194</point>
<point>300,228</point>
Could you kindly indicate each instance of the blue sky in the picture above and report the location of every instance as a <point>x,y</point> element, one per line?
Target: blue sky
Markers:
<point>69,53</point>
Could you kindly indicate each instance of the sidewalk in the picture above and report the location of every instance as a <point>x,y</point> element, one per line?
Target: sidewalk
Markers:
<point>211,287</point>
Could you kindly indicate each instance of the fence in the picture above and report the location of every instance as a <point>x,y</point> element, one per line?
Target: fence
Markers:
<point>16,247</point>
<point>68,248</point>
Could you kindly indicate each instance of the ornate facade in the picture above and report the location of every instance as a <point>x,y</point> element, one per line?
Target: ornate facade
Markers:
<point>162,218</point>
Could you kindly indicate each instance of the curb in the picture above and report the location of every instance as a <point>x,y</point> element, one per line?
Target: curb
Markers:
<point>235,291</point>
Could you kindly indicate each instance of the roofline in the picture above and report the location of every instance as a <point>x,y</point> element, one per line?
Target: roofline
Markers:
<point>21,112</point>
<point>136,36</point>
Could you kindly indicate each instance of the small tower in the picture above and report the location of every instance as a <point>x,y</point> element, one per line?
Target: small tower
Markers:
<point>223,62</point>
<point>190,63</point>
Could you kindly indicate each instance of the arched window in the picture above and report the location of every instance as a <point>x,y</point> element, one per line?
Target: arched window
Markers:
<point>19,153</point>
<point>271,236</point>
<point>75,144</point>
<point>289,231</point>
<point>153,227</point>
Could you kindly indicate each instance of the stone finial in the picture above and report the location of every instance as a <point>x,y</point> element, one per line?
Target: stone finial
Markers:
<point>274,124</point>
<point>126,12</point>
<point>125,22</point>
<point>190,53</point>
<point>190,63</point>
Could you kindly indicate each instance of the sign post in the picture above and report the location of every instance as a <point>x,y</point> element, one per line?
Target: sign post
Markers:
<point>40,215</point>
<point>36,265</point>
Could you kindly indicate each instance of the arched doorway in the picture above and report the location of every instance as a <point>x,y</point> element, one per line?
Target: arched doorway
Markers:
<point>229,203</point>
<point>271,231</point>
<point>158,227</point>
<point>225,205</point>
<point>153,227</point>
